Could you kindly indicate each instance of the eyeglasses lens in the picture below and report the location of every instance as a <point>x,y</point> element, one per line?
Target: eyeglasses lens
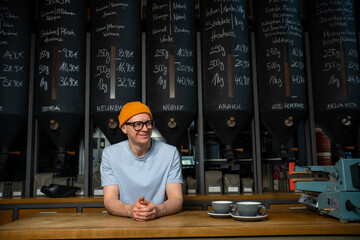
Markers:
<point>139,125</point>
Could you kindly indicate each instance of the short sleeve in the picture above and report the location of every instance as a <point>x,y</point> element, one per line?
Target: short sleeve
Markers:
<point>175,174</point>
<point>107,173</point>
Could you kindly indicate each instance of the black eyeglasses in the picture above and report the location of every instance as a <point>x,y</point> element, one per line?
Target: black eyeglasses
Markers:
<point>138,125</point>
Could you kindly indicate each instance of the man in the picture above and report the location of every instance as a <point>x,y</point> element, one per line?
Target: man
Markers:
<point>139,173</point>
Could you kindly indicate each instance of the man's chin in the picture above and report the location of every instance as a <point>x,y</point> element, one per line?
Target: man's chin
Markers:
<point>144,139</point>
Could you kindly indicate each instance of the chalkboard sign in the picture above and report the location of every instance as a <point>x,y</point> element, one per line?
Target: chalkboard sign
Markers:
<point>115,54</point>
<point>115,62</point>
<point>171,63</point>
<point>335,56</point>
<point>335,65</point>
<point>226,68</point>
<point>171,56</point>
<point>226,56</point>
<point>60,57</point>
<point>15,26</point>
<point>280,66</point>
<point>60,69</point>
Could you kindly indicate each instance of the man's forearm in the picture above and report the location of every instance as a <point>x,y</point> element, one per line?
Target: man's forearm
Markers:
<point>168,207</point>
<point>118,208</point>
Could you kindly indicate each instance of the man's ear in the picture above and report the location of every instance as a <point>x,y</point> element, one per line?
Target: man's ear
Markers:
<point>123,129</point>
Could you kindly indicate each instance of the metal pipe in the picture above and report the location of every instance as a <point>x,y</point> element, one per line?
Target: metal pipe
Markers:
<point>88,149</point>
<point>310,138</point>
<point>200,121</point>
<point>29,178</point>
<point>255,123</point>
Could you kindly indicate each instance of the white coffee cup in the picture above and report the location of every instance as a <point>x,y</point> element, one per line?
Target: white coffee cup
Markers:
<point>250,208</point>
<point>222,207</point>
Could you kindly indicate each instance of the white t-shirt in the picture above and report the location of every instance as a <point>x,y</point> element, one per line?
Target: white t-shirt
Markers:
<point>140,176</point>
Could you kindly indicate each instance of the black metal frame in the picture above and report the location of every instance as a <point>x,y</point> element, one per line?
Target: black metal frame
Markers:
<point>32,127</point>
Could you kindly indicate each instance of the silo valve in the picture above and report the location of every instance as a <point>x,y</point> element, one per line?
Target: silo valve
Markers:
<point>59,160</point>
<point>346,121</point>
<point>54,125</point>
<point>289,121</point>
<point>231,122</point>
<point>112,123</point>
<point>172,123</point>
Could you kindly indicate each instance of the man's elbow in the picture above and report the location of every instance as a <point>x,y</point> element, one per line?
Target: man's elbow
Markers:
<point>179,204</point>
<point>107,206</point>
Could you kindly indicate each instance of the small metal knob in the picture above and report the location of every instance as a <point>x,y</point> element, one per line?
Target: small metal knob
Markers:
<point>289,121</point>
<point>54,125</point>
<point>59,160</point>
<point>172,123</point>
<point>231,122</point>
<point>112,124</point>
<point>346,121</point>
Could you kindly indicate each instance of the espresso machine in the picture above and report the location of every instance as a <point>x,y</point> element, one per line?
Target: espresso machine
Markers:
<point>331,190</point>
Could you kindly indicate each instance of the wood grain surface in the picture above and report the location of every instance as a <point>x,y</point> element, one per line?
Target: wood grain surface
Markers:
<point>280,222</point>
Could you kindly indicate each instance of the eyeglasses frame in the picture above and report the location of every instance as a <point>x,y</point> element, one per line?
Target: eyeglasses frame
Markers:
<point>143,124</point>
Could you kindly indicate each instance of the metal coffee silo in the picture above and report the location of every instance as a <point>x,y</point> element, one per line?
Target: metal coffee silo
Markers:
<point>280,67</point>
<point>171,66</point>
<point>60,69</point>
<point>115,63</point>
<point>15,35</point>
<point>335,67</point>
<point>226,68</point>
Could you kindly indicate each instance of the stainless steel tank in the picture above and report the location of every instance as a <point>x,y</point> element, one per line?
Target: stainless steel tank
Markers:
<point>171,66</point>
<point>115,63</point>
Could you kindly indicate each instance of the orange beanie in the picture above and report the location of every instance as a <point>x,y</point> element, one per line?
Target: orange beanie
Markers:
<point>131,109</point>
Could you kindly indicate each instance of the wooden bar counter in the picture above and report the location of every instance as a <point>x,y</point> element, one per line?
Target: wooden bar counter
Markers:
<point>12,209</point>
<point>282,221</point>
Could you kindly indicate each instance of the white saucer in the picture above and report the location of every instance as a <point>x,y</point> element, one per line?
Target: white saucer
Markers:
<point>249,218</point>
<point>219,215</point>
